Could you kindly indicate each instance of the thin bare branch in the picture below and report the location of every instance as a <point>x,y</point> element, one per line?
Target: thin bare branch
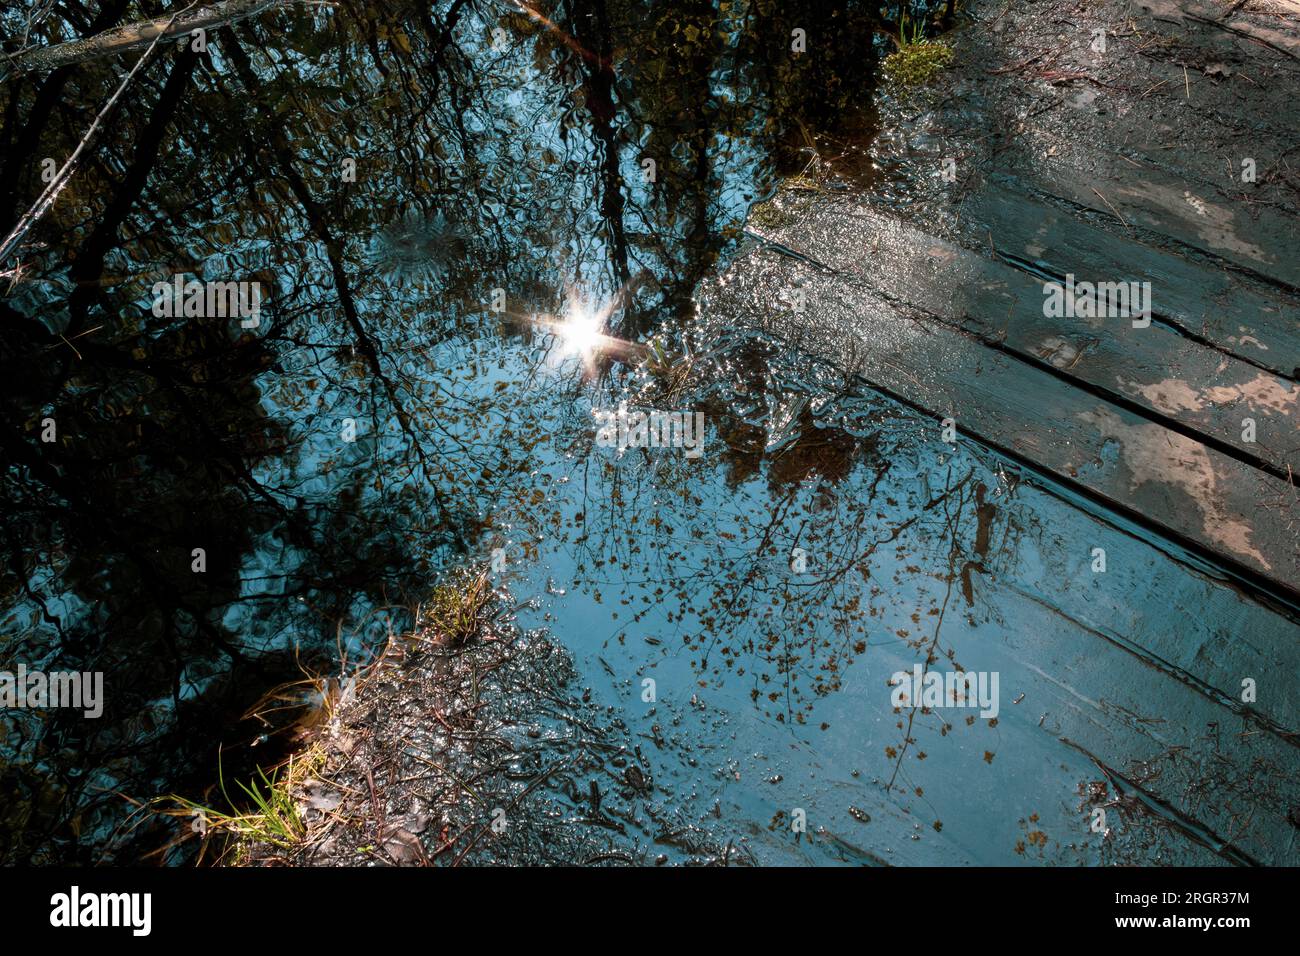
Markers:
<point>135,36</point>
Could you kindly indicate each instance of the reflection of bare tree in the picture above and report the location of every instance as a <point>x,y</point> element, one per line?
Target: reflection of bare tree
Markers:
<point>952,513</point>
<point>176,434</point>
<point>771,572</point>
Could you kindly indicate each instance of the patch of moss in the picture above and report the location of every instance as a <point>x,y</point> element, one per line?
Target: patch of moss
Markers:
<point>769,214</point>
<point>915,64</point>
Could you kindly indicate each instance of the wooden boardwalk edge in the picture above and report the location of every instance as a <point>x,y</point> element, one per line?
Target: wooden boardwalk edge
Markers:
<point>1157,373</point>
<point>1197,495</point>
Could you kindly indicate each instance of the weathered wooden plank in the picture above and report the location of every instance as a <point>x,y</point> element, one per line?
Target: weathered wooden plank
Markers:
<point>1166,611</point>
<point>1179,747</point>
<point>1133,165</point>
<point>1169,376</point>
<point>1261,239</point>
<point>1059,680</point>
<point>1251,321</point>
<point>1205,497</point>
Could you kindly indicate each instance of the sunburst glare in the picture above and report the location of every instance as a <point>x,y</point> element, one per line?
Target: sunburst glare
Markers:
<point>582,329</point>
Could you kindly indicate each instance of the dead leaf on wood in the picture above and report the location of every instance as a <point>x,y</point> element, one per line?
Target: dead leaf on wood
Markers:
<point>317,796</point>
<point>403,847</point>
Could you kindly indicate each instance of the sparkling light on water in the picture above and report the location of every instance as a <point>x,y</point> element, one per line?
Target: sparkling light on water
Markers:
<point>582,329</point>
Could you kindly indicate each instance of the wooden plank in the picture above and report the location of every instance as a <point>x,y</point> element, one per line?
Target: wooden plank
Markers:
<point>1168,613</point>
<point>1138,672</point>
<point>1156,731</point>
<point>1200,495</point>
<point>1252,322</point>
<point>1260,239</point>
<point>1060,680</point>
<point>1131,169</point>
<point>1170,377</point>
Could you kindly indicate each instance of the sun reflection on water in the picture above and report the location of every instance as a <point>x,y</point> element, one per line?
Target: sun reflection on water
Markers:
<point>582,329</point>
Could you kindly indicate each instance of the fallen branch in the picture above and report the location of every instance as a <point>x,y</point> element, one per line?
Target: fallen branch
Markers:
<point>51,192</point>
<point>134,36</point>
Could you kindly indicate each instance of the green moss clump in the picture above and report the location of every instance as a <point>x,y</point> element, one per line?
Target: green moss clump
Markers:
<point>915,64</point>
<point>769,215</point>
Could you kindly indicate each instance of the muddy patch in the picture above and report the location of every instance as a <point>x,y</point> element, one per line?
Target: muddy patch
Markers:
<point>486,753</point>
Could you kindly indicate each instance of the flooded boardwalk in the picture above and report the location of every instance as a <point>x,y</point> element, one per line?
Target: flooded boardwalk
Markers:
<point>1160,430</point>
<point>634,434</point>
<point>1000,564</point>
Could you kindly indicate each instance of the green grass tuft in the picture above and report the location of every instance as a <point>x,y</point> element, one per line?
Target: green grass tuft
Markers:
<point>917,60</point>
<point>272,816</point>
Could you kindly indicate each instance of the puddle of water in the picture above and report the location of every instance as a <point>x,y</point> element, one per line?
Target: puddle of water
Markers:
<point>380,173</point>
